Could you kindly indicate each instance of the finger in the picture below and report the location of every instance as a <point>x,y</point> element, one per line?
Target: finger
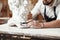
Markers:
<point>29,24</point>
<point>30,20</point>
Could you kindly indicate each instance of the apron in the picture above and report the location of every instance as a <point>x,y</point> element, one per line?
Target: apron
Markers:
<point>47,18</point>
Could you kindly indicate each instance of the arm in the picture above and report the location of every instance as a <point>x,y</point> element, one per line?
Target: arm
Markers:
<point>52,24</point>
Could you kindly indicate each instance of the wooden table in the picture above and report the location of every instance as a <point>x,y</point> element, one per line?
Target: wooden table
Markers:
<point>14,32</point>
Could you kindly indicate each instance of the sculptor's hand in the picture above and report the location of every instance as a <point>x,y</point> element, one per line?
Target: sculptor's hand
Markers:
<point>34,24</point>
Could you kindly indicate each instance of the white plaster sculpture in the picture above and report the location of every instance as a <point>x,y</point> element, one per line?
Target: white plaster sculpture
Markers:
<point>19,12</point>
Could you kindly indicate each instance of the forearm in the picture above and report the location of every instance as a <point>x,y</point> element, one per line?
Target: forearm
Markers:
<point>52,24</point>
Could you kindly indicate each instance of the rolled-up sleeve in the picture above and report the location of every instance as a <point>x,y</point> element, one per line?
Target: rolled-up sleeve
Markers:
<point>36,9</point>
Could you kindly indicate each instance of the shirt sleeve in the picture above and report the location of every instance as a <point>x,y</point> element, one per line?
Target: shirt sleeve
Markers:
<point>58,12</point>
<point>36,9</point>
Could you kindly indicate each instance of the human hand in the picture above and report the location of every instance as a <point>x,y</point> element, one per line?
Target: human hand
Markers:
<point>35,24</point>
